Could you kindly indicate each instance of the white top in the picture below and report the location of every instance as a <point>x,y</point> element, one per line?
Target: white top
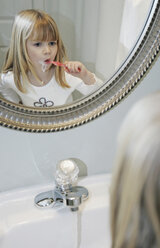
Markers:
<point>51,94</point>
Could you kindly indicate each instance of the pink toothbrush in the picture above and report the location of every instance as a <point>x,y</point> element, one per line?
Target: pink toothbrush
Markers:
<point>59,64</point>
<point>56,63</point>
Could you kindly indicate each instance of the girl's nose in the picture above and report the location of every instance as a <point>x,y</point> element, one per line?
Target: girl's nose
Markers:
<point>46,49</point>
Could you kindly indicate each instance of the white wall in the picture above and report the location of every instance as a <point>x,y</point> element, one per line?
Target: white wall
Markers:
<point>27,159</point>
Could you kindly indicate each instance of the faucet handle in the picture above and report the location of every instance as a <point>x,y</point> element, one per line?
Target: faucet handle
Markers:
<point>66,174</point>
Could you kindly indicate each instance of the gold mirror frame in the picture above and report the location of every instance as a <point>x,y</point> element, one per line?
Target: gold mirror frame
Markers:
<point>127,77</point>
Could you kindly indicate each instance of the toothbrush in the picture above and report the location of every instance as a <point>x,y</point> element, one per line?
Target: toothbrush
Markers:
<point>59,64</point>
<point>56,63</point>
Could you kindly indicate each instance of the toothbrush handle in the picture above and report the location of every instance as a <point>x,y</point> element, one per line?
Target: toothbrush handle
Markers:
<point>58,63</point>
<point>61,64</point>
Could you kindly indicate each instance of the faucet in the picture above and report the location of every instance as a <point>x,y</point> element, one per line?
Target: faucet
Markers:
<point>66,192</point>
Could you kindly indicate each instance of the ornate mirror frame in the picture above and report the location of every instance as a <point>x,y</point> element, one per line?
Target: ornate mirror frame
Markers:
<point>127,77</point>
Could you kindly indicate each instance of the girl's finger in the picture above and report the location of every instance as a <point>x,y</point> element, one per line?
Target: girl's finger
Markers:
<point>78,68</point>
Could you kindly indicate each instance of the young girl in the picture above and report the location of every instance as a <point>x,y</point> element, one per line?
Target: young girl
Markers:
<point>29,76</point>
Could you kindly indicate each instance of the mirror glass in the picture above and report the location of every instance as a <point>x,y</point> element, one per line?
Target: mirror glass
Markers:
<point>98,33</point>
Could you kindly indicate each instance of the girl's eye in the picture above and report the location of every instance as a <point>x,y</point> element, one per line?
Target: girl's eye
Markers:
<point>52,43</point>
<point>37,44</point>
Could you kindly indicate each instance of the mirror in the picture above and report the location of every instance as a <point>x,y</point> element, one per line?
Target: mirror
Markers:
<point>118,48</point>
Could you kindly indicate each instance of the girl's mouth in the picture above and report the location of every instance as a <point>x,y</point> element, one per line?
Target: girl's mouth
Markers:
<point>47,61</point>
<point>44,64</point>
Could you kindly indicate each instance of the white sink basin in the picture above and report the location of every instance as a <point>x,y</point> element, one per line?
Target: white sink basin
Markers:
<point>23,225</point>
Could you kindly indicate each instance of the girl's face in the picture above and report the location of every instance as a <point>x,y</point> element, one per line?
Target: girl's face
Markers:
<point>40,52</point>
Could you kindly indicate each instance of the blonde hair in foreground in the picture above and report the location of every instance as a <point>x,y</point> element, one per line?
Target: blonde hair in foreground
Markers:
<point>39,26</point>
<point>135,189</point>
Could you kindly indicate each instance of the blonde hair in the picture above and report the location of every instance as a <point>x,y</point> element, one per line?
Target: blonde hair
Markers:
<point>135,188</point>
<point>40,26</point>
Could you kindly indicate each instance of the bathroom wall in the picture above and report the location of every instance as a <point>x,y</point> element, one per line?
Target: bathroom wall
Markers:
<point>27,159</point>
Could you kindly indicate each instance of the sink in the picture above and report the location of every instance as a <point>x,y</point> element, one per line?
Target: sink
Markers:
<point>23,225</point>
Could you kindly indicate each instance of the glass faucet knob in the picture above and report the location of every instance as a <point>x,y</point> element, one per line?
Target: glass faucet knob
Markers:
<point>66,172</point>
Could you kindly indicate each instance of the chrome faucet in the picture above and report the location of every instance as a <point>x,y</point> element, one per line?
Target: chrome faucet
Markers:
<point>65,192</point>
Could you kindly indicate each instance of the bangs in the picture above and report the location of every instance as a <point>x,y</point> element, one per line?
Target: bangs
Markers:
<point>43,31</point>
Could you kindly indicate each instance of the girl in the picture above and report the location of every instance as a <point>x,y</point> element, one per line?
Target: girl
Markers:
<point>28,75</point>
<point>135,188</point>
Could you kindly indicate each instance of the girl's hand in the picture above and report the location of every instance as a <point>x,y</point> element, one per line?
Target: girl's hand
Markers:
<point>77,69</point>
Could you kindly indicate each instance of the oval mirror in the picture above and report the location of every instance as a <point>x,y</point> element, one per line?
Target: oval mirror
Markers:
<point>118,48</point>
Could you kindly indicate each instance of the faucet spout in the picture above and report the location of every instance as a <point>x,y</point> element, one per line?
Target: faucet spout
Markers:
<point>73,197</point>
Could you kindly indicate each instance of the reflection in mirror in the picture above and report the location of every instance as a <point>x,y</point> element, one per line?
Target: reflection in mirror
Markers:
<point>35,73</point>
<point>135,14</point>
<point>100,47</point>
